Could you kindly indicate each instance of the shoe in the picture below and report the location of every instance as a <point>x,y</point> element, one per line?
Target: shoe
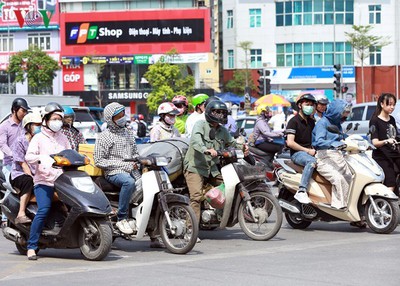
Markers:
<point>32,256</point>
<point>198,240</point>
<point>22,220</point>
<point>124,226</point>
<point>156,242</point>
<point>302,197</point>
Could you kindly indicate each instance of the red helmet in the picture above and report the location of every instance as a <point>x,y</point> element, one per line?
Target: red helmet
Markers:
<point>140,117</point>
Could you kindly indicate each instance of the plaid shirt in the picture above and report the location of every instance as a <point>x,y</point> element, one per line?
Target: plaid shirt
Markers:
<point>74,136</point>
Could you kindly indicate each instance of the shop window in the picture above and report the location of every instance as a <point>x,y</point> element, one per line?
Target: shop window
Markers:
<point>40,40</point>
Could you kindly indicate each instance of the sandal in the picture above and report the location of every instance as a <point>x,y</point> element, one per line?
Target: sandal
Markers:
<point>22,220</point>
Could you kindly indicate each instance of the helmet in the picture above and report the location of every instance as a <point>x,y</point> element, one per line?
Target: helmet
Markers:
<point>199,99</point>
<point>211,98</point>
<point>306,96</point>
<point>322,100</point>
<point>33,117</point>
<point>212,116</point>
<point>50,108</point>
<point>180,99</point>
<point>262,108</point>
<point>140,117</point>
<point>68,111</point>
<point>167,108</point>
<point>19,103</point>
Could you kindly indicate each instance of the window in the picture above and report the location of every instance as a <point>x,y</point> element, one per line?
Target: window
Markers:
<point>40,40</point>
<point>357,113</point>
<point>374,14</point>
<point>110,6</point>
<point>308,12</point>
<point>6,43</point>
<point>314,54</point>
<point>231,59</point>
<point>375,56</point>
<point>256,58</point>
<point>255,18</point>
<point>178,4</point>
<point>144,4</point>
<point>229,23</point>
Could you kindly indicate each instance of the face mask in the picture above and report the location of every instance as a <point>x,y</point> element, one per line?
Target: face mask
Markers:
<point>121,122</point>
<point>307,110</point>
<point>55,125</point>
<point>169,120</point>
<point>36,130</point>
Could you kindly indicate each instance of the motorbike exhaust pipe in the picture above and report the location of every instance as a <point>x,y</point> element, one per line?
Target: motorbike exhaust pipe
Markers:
<point>288,207</point>
<point>12,234</point>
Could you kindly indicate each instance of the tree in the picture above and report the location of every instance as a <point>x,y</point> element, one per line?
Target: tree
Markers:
<point>167,80</point>
<point>362,43</point>
<point>35,66</point>
<point>246,46</point>
<point>238,83</point>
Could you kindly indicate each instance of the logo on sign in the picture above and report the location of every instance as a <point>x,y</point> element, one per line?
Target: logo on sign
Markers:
<point>72,77</point>
<point>86,32</point>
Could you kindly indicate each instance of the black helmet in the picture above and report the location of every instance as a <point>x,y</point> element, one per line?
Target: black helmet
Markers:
<point>216,112</point>
<point>208,100</point>
<point>322,100</point>
<point>50,108</point>
<point>19,103</point>
<point>306,96</point>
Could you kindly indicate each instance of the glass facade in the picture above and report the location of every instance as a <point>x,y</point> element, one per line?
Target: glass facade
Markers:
<point>309,12</point>
<point>313,54</point>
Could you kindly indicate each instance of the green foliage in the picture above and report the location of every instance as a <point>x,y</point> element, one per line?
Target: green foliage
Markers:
<point>238,83</point>
<point>35,66</point>
<point>167,80</point>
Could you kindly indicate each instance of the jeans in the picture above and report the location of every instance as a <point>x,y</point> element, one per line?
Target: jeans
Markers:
<point>44,196</point>
<point>308,162</point>
<point>127,185</point>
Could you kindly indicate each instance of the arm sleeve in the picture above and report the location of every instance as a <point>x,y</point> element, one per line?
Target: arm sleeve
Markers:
<point>197,139</point>
<point>101,160</point>
<point>372,122</point>
<point>319,136</point>
<point>3,142</point>
<point>19,152</point>
<point>265,130</point>
<point>32,154</point>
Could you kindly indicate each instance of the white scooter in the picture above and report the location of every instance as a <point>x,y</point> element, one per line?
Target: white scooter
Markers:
<point>368,197</point>
<point>155,209</point>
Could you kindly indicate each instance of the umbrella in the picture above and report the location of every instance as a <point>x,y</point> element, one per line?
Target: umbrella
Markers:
<point>272,100</point>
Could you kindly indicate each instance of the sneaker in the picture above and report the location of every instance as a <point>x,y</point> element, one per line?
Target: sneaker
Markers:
<point>124,226</point>
<point>302,197</point>
<point>198,240</point>
<point>156,242</point>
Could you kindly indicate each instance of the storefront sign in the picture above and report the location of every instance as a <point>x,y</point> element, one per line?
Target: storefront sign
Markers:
<point>73,78</point>
<point>143,59</point>
<point>181,58</point>
<point>144,31</point>
<point>122,95</point>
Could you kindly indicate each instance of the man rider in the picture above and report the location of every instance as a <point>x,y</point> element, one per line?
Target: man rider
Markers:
<point>322,104</point>
<point>299,139</point>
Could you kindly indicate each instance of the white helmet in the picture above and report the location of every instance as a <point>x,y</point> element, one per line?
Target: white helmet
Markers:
<point>32,117</point>
<point>167,108</point>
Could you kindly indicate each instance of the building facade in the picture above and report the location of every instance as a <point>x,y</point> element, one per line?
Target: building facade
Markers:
<point>107,46</point>
<point>22,24</point>
<point>300,41</point>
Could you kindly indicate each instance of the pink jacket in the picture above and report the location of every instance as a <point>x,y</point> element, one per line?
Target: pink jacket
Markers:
<point>46,143</point>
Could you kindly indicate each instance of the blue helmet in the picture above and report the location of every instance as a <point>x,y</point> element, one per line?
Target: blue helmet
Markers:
<point>68,111</point>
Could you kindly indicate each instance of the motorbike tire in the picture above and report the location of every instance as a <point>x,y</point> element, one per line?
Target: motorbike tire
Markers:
<point>271,203</point>
<point>387,221</point>
<point>297,222</point>
<point>22,249</point>
<point>96,246</point>
<point>185,224</point>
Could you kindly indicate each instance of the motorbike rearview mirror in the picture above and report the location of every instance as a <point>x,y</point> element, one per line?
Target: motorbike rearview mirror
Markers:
<point>236,134</point>
<point>349,126</point>
<point>212,133</point>
<point>356,127</point>
<point>333,129</point>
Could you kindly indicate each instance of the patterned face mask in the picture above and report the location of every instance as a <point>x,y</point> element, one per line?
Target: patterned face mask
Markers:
<point>169,119</point>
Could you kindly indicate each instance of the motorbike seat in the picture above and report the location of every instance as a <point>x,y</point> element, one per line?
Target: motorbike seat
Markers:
<point>259,152</point>
<point>112,190</point>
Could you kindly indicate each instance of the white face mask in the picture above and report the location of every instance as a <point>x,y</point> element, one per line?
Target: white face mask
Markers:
<point>169,120</point>
<point>55,125</point>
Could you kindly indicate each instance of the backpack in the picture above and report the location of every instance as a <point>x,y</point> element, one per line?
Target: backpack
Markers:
<point>141,130</point>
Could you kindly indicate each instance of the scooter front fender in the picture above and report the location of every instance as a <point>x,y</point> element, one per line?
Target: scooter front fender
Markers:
<point>176,198</point>
<point>377,189</point>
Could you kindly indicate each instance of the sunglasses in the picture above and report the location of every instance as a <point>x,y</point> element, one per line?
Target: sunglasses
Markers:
<point>180,105</point>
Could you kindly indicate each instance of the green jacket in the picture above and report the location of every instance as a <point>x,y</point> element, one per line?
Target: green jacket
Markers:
<point>195,160</point>
<point>180,123</point>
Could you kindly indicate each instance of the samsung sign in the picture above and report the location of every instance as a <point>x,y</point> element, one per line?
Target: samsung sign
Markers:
<point>125,32</point>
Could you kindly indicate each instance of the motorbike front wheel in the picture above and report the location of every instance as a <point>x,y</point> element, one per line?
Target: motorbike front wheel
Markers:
<point>267,212</point>
<point>181,237</point>
<point>95,239</point>
<point>386,219</point>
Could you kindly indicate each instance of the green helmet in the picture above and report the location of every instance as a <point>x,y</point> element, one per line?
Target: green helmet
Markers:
<point>199,99</point>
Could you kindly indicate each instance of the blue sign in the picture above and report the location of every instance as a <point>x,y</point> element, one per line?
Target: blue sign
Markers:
<point>320,72</point>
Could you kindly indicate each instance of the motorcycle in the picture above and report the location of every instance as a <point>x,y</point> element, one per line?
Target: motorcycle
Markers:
<point>155,208</point>
<point>368,197</point>
<point>78,217</point>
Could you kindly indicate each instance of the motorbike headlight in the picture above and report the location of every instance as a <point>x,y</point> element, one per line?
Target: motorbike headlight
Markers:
<point>83,184</point>
<point>161,161</point>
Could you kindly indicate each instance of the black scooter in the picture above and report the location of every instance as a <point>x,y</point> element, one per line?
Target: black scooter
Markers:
<point>78,217</point>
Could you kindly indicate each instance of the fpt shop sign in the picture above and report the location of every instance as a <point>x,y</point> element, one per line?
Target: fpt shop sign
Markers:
<point>154,31</point>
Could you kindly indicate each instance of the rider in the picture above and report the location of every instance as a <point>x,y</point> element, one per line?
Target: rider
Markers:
<point>299,135</point>
<point>49,141</point>
<point>74,136</point>
<point>331,163</point>
<point>200,168</point>
<point>181,103</point>
<point>113,145</point>
<point>383,137</point>
<point>10,130</point>
<point>322,104</point>
<point>22,173</point>
<point>263,136</point>
<point>198,103</point>
<point>164,128</point>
